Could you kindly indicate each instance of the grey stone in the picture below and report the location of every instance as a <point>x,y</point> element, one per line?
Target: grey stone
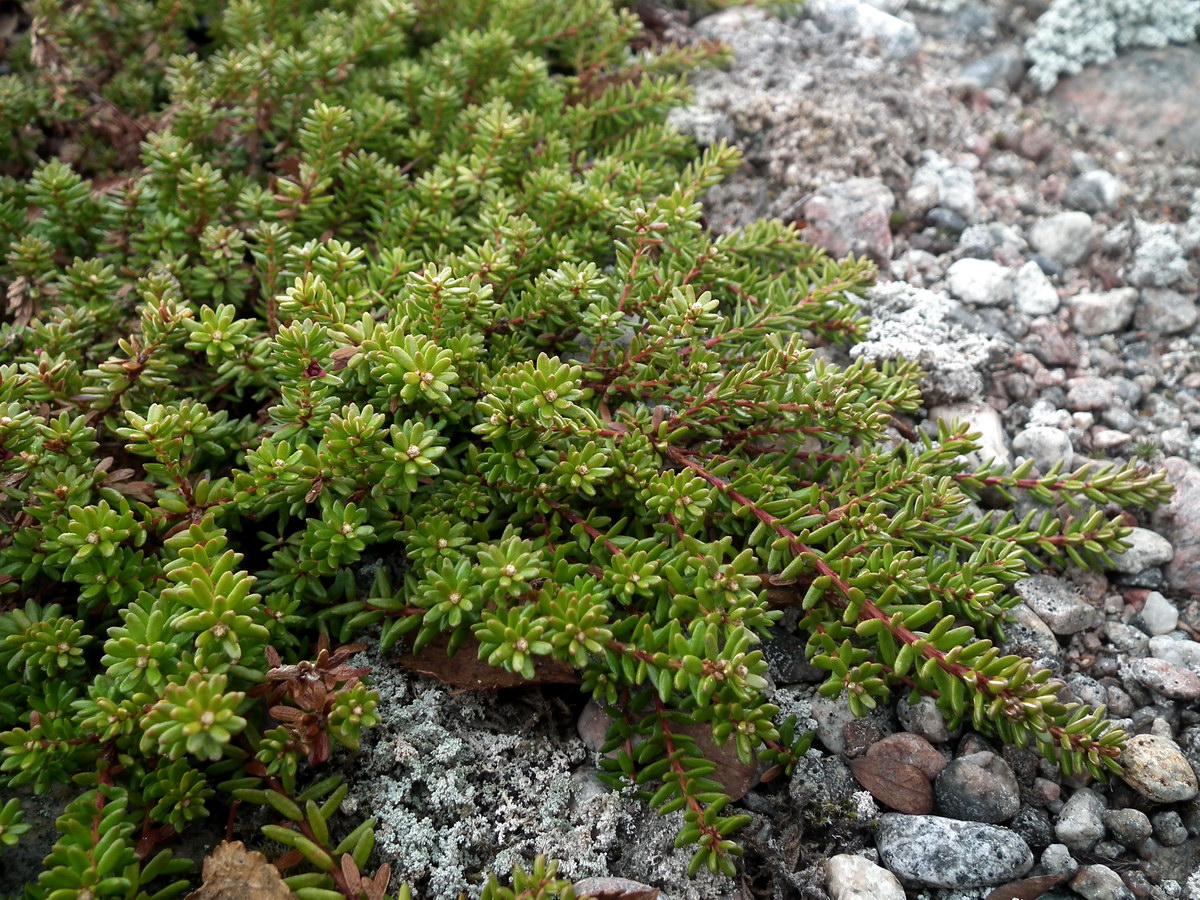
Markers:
<point>1056,603</point>
<point>1126,638</point>
<point>852,877</point>
<point>1112,849</point>
<point>1178,651</point>
<point>821,782</point>
<point>1129,826</point>
<point>1088,392</point>
<point>1093,191</point>
<point>1146,548</point>
<point>1065,237</point>
<point>852,217</point>
<point>1080,824</point>
<point>989,240</point>
<point>1165,311</point>
<point>1047,445</point>
<point>1155,767</point>
<point>924,719</point>
<point>1165,679</point>
<point>833,715</point>
<point>1169,828</point>
<point>1032,824</point>
<point>981,282</point>
<point>1057,860</point>
<point>1002,68</point>
<point>1085,690</point>
<point>1151,579</point>
<point>891,7</point>
<point>1120,704</point>
<point>1120,419</point>
<point>1105,439</point>
<point>1107,312</point>
<point>1158,261</point>
<point>1033,292</point>
<point>946,220</point>
<point>956,192</point>
<point>421,777</point>
<point>983,420</point>
<point>1176,440</point>
<point>786,661</point>
<point>1158,613</point>
<point>1179,522</point>
<point>1028,635</point>
<point>1099,882</point>
<point>934,851</point>
<point>897,38</point>
<point>978,788</point>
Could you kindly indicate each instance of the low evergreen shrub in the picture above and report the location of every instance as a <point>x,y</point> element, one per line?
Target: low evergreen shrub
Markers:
<point>297,289</point>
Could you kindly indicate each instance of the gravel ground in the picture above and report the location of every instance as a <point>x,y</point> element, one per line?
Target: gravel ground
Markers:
<point>1039,256</point>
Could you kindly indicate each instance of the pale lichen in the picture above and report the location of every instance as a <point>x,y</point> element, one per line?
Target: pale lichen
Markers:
<point>1072,34</point>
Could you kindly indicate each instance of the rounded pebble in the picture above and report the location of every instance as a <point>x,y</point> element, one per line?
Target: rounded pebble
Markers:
<point>1129,826</point>
<point>1174,682</point>
<point>982,282</point>
<point>1046,444</point>
<point>1066,238</point>
<point>1080,824</point>
<point>978,788</point>
<point>852,877</point>
<point>934,851</point>
<point>1155,767</point>
<point>1057,860</point>
<point>1169,828</point>
<point>1158,613</point>
<point>1056,603</point>
<point>1146,548</point>
<point>1100,883</point>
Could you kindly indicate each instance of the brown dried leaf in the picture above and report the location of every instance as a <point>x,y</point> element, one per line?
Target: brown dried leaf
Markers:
<point>231,872</point>
<point>137,490</point>
<point>735,777</point>
<point>1026,888</point>
<point>898,785</point>
<point>609,888</point>
<point>341,357</point>
<point>20,301</point>
<point>467,672</point>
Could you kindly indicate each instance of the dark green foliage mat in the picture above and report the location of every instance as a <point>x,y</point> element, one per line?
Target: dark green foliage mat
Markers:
<point>295,286</point>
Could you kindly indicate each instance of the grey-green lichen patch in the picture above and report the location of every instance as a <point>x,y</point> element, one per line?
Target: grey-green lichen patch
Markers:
<point>467,783</point>
<point>1072,34</point>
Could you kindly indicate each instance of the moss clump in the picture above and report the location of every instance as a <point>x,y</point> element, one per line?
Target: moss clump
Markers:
<point>293,282</point>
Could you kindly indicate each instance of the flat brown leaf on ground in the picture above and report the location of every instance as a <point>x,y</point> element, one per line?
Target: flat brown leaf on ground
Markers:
<point>735,777</point>
<point>608,888</point>
<point>901,786</point>
<point>1026,888</point>
<point>20,301</point>
<point>467,672</point>
<point>231,872</point>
